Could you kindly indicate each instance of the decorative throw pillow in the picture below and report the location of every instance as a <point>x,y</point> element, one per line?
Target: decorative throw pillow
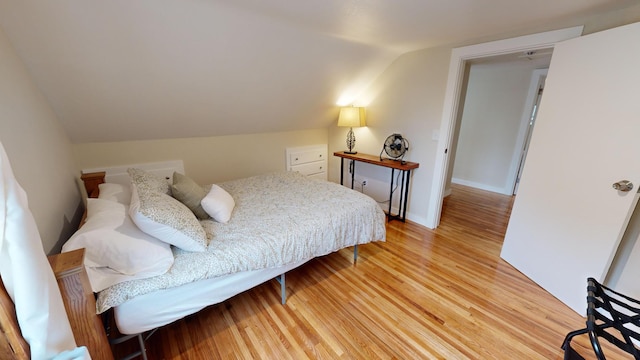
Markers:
<point>115,249</point>
<point>147,181</point>
<point>218,204</point>
<point>167,219</point>
<point>189,193</point>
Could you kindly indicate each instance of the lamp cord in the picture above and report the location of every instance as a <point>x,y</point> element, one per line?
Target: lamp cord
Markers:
<point>390,195</point>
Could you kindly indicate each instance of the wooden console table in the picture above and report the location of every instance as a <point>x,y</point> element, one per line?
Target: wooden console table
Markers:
<point>404,167</point>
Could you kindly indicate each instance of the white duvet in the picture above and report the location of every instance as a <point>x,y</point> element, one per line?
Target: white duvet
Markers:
<point>28,278</point>
<point>278,219</point>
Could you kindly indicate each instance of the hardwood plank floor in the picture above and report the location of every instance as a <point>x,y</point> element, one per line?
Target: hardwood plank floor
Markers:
<point>422,294</point>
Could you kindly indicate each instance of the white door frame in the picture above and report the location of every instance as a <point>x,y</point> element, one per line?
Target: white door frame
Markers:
<point>522,141</point>
<point>459,58</point>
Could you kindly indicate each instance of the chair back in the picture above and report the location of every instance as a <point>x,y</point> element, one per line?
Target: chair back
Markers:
<point>614,317</point>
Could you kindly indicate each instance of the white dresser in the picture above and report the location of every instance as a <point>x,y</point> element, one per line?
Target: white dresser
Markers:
<point>308,160</point>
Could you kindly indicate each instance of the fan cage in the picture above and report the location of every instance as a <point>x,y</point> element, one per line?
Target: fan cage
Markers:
<point>395,146</point>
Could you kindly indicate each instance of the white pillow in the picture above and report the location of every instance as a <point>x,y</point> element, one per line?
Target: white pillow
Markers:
<point>115,249</point>
<point>218,204</point>
<point>167,219</point>
<point>115,192</point>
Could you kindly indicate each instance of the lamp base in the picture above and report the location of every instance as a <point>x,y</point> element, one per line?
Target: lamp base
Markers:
<point>351,142</point>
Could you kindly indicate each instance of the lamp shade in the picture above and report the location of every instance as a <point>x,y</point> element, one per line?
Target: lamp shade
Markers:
<point>352,117</point>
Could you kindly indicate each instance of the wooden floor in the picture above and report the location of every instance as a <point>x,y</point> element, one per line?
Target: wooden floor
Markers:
<point>422,294</point>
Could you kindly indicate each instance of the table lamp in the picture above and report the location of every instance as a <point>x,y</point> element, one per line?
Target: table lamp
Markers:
<point>351,117</point>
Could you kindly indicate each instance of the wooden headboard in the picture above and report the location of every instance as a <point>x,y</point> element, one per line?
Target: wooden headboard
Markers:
<point>91,182</point>
<point>12,344</point>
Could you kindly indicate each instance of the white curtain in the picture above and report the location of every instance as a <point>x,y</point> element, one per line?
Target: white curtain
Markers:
<point>28,277</point>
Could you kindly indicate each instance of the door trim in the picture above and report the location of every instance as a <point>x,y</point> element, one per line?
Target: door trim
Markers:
<point>459,58</point>
<point>522,141</point>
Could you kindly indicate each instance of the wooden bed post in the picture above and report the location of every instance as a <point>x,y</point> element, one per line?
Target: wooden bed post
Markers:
<point>12,344</point>
<point>91,182</point>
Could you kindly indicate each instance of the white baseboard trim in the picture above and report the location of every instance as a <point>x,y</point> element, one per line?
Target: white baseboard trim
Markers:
<point>481,186</point>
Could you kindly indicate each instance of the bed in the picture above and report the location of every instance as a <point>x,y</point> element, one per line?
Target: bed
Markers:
<point>279,221</point>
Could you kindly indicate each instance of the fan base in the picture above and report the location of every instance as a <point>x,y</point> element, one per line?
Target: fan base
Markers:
<point>350,152</point>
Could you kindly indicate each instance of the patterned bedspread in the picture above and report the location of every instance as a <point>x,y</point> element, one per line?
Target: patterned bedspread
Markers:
<point>278,219</point>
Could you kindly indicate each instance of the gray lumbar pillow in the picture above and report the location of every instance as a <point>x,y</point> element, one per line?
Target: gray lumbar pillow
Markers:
<point>189,193</point>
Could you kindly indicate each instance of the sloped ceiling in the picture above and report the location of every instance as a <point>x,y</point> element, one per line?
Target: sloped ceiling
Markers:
<point>149,69</point>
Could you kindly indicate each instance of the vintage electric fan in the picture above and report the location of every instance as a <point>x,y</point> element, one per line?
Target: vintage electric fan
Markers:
<point>395,146</point>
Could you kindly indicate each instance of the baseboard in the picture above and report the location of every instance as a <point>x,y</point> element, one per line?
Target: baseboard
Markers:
<point>480,186</point>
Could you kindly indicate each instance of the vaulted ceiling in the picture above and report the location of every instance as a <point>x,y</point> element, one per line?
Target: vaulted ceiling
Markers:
<point>147,69</point>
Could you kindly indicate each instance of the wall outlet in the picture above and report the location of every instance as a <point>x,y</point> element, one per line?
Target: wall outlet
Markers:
<point>364,182</point>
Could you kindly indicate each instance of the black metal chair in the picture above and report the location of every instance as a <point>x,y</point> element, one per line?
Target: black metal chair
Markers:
<point>611,316</point>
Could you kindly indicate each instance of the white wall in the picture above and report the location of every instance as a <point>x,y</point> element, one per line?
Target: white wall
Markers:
<point>491,121</point>
<point>407,99</point>
<point>206,159</point>
<point>38,149</point>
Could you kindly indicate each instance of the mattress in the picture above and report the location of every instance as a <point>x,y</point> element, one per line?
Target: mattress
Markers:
<point>150,311</point>
<point>280,219</point>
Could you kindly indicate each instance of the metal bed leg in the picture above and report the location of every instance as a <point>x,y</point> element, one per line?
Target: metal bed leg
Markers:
<point>283,288</point>
<point>141,339</point>
<point>355,253</point>
<point>143,349</point>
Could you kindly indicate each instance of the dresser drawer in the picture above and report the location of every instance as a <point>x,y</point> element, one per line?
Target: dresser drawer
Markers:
<point>308,160</point>
<point>303,157</point>
<point>311,168</point>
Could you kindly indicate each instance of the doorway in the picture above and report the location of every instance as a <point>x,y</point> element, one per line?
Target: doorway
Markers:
<point>459,59</point>
<point>490,139</point>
